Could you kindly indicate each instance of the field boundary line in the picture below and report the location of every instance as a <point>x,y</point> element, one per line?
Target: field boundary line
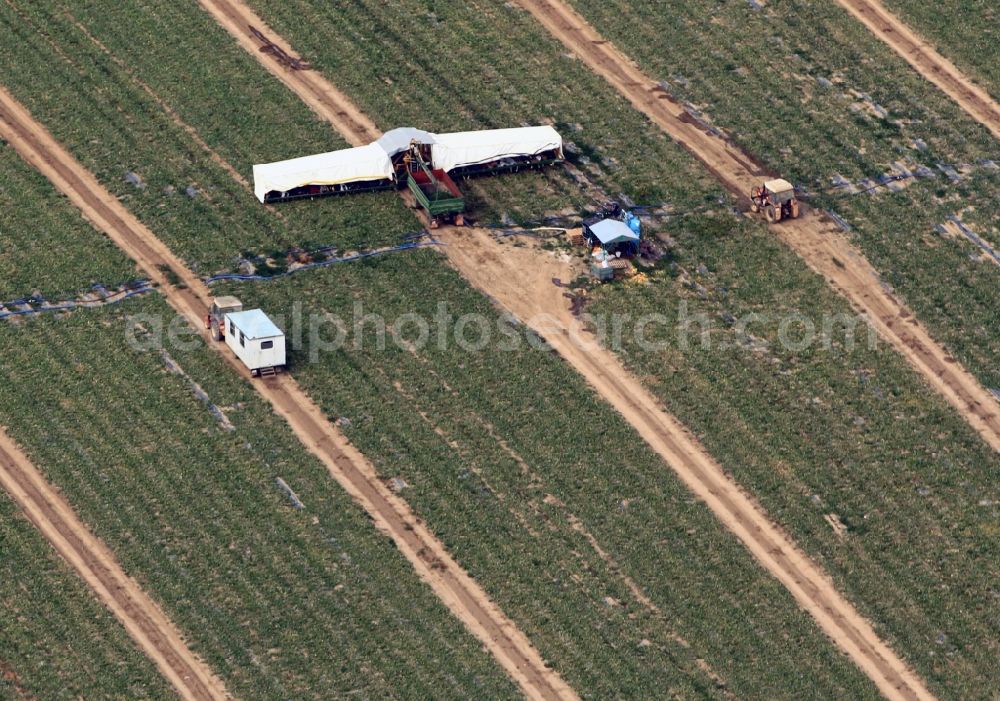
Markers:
<point>95,564</point>
<point>814,237</point>
<point>466,600</point>
<point>812,588</point>
<point>318,93</point>
<point>927,61</point>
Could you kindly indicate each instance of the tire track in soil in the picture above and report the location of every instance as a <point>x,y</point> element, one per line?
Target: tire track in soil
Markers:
<point>466,600</point>
<point>149,627</point>
<point>813,237</point>
<point>477,260</point>
<point>926,61</point>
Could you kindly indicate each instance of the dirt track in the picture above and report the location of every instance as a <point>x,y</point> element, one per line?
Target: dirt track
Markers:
<point>90,558</point>
<point>520,279</point>
<point>927,61</point>
<point>524,286</point>
<point>459,592</point>
<point>310,86</point>
<point>817,241</point>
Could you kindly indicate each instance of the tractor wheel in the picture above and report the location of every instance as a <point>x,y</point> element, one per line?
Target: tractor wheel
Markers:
<point>459,220</point>
<point>795,209</point>
<point>434,223</point>
<point>770,214</point>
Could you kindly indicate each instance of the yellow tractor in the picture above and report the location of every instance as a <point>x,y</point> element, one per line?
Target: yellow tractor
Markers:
<point>776,199</point>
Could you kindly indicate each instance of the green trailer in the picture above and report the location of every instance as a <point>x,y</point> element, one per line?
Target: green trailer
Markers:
<point>434,190</point>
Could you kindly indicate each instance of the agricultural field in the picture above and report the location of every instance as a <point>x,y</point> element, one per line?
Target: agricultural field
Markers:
<point>33,229</point>
<point>282,127</point>
<point>947,279</point>
<point>579,622</point>
<point>834,441</point>
<point>57,642</point>
<point>420,76</point>
<point>810,92</point>
<point>578,627</point>
<point>158,159</point>
<point>184,490</point>
<point>964,32</point>
<point>548,498</point>
<point>544,494</point>
<point>898,448</point>
<point>851,105</point>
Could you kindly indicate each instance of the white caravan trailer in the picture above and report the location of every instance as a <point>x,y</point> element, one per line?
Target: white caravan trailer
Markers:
<point>256,341</point>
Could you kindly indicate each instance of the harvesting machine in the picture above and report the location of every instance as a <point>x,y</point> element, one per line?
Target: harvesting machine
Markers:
<point>425,163</point>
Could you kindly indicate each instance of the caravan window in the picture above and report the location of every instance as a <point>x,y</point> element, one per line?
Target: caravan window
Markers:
<point>266,345</point>
<point>232,328</point>
<point>242,339</point>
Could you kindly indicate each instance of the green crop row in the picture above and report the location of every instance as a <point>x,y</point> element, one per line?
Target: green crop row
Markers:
<point>844,446</point>
<point>945,277</point>
<point>516,464</point>
<point>281,602</point>
<point>35,230</point>
<point>120,130</point>
<point>965,32</point>
<point>800,85</point>
<point>543,410</point>
<point>56,640</point>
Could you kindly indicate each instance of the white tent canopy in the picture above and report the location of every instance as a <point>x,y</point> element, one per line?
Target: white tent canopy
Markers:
<point>359,164</point>
<point>396,140</point>
<point>612,231</point>
<point>374,161</point>
<point>465,148</point>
